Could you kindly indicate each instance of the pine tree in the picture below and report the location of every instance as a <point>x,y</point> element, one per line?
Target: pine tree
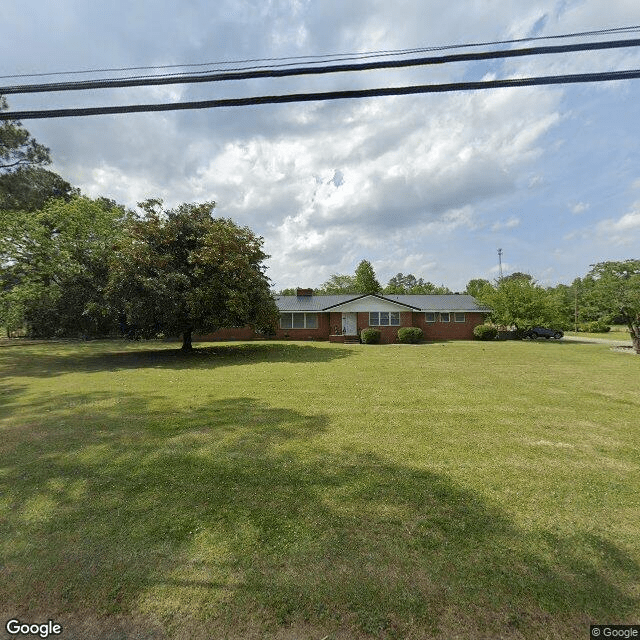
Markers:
<point>365,279</point>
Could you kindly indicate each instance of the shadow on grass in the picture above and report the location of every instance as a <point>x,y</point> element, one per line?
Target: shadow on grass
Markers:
<point>235,519</point>
<point>58,359</point>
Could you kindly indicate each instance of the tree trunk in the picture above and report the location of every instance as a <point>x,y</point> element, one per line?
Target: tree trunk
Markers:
<point>634,330</point>
<point>186,341</point>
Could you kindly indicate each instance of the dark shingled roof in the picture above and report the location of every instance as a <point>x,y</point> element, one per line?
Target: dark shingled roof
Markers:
<point>451,302</point>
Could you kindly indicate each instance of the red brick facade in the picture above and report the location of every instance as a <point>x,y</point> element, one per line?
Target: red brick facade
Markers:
<point>330,327</point>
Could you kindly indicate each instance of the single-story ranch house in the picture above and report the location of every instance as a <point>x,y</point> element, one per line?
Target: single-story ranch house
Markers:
<point>341,318</point>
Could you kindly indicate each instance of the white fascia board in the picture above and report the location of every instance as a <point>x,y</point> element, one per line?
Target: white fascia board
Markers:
<point>371,303</point>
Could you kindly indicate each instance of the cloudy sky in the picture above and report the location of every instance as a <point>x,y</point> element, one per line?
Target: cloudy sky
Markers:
<point>427,184</point>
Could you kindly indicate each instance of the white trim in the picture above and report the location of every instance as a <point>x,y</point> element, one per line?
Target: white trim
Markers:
<point>371,303</point>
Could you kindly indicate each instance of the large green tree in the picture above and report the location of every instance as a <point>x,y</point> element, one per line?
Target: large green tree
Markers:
<point>29,188</point>
<point>408,284</point>
<point>614,288</point>
<point>181,271</point>
<point>365,280</point>
<point>337,284</point>
<point>54,267</point>
<point>478,288</point>
<point>520,302</point>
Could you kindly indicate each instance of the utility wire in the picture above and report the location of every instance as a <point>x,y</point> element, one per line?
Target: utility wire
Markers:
<point>333,95</point>
<point>299,71</point>
<point>326,58</point>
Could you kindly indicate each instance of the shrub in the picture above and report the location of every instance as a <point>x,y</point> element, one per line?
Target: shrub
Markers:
<point>597,326</point>
<point>370,336</point>
<point>485,332</point>
<point>410,335</point>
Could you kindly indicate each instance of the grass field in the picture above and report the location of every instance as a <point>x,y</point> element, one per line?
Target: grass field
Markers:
<point>618,332</point>
<point>311,490</point>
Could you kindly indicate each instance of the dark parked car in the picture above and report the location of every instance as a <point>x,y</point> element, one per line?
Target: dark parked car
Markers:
<point>543,332</point>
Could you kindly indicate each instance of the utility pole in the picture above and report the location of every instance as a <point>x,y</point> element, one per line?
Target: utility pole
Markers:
<point>500,262</point>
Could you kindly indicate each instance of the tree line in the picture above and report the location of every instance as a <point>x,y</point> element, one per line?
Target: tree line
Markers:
<point>364,281</point>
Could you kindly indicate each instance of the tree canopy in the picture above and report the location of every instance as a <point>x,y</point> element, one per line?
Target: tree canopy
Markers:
<point>17,147</point>
<point>365,280</point>
<point>478,287</point>
<point>408,284</point>
<point>182,271</point>
<point>29,188</point>
<point>337,284</point>
<point>54,267</point>
<point>519,302</point>
<point>614,287</point>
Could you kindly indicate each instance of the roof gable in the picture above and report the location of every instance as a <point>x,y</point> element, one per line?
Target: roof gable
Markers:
<point>371,302</point>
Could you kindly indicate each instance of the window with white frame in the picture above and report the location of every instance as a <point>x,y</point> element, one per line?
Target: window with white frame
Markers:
<point>445,317</point>
<point>298,320</point>
<point>459,317</point>
<point>384,318</point>
<point>430,316</point>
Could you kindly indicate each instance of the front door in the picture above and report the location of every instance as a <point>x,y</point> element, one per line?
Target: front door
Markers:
<point>350,324</point>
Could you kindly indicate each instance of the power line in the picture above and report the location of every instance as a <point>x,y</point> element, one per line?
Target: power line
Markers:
<point>326,58</point>
<point>332,95</point>
<point>298,71</point>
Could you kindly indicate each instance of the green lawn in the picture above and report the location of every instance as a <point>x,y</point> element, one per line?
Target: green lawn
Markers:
<point>311,490</point>
<point>618,332</point>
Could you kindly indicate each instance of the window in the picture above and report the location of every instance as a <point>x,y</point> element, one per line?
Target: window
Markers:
<point>384,319</point>
<point>459,317</point>
<point>430,316</point>
<point>445,317</point>
<point>298,320</point>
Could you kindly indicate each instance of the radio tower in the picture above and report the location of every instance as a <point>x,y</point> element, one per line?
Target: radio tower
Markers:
<point>500,262</point>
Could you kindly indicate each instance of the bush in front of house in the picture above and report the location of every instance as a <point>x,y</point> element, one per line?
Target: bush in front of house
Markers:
<point>370,336</point>
<point>485,332</point>
<point>410,335</point>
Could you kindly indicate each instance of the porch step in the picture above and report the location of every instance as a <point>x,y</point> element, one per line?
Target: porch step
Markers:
<point>352,340</point>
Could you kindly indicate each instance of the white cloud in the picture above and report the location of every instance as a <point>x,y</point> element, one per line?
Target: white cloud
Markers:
<point>579,207</point>
<point>404,182</point>
<point>510,223</point>
<point>628,222</point>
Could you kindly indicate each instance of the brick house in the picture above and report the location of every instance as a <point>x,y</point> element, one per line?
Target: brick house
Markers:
<point>341,318</point>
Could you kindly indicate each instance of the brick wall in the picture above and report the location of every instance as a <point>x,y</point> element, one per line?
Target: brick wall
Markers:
<point>448,330</point>
<point>335,322</point>
<point>321,333</point>
<point>388,335</point>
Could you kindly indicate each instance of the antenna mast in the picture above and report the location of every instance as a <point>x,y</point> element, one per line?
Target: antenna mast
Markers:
<point>500,262</point>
